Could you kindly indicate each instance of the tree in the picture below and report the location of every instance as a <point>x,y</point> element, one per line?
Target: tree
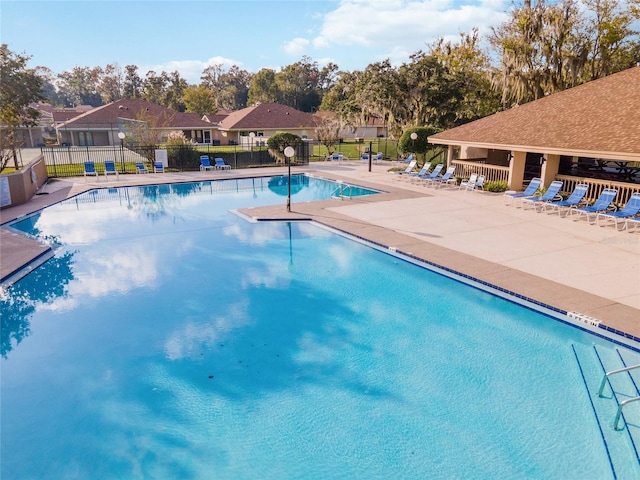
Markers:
<point>79,86</point>
<point>19,87</point>
<point>298,85</point>
<point>110,84</point>
<point>419,146</point>
<point>132,85</point>
<point>263,87</point>
<point>278,142</point>
<point>174,91</point>
<point>235,90</point>
<point>199,99</point>
<point>328,132</point>
<point>154,87</point>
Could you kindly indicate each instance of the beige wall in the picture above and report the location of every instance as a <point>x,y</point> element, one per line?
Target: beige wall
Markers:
<point>467,152</point>
<point>23,184</point>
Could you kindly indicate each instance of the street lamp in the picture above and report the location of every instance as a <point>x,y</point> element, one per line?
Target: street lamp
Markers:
<point>121,136</point>
<point>289,152</point>
<point>413,136</point>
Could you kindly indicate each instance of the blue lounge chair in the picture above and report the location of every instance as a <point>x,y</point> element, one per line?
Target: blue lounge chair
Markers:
<point>602,204</point>
<point>110,168</point>
<point>158,167</point>
<point>205,164</point>
<point>630,210</point>
<point>574,200</point>
<point>140,168</point>
<point>432,175</point>
<point>551,194</point>
<point>408,169</point>
<point>408,159</point>
<point>528,192</point>
<point>220,165</point>
<point>379,157</point>
<point>364,157</point>
<point>444,179</point>
<point>90,170</point>
<point>423,171</point>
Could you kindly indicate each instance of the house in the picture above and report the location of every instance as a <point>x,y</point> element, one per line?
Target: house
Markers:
<point>590,132</point>
<point>101,125</point>
<point>254,125</point>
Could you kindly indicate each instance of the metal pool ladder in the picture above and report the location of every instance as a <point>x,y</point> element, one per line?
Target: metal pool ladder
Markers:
<point>340,192</point>
<point>622,403</point>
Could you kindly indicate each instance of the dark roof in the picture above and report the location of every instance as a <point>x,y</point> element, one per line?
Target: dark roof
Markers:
<point>267,116</point>
<point>600,119</point>
<point>135,109</point>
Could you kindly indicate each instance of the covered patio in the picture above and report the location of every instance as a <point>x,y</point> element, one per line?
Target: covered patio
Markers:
<point>588,134</point>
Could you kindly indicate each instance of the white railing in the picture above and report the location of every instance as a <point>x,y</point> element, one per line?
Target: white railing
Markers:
<point>625,190</point>
<point>492,173</point>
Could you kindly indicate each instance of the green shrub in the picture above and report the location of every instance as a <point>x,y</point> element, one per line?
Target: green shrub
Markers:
<point>497,186</point>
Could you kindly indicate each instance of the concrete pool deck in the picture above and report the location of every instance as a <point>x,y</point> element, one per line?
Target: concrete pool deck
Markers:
<point>570,265</point>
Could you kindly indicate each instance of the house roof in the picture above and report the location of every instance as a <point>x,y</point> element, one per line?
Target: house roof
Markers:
<point>599,119</point>
<point>132,109</point>
<point>267,116</point>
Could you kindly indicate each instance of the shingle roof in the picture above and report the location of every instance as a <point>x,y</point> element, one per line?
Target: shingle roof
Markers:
<point>131,109</point>
<point>599,119</point>
<point>267,116</point>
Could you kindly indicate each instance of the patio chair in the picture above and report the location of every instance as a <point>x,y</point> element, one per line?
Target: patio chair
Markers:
<point>423,171</point>
<point>574,200</point>
<point>469,184</point>
<point>409,168</point>
<point>430,176</point>
<point>408,159</point>
<point>630,210</point>
<point>475,182</point>
<point>220,165</point>
<point>444,179</point>
<point>205,164</point>
<point>551,194</point>
<point>510,196</point>
<point>110,168</point>
<point>364,157</point>
<point>140,168</point>
<point>90,169</point>
<point>379,157</point>
<point>158,167</point>
<point>602,204</point>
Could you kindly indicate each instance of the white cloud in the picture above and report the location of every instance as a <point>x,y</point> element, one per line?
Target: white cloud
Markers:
<point>397,28</point>
<point>296,46</point>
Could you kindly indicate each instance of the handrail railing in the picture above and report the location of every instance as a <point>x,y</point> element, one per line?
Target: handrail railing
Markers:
<point>492,173</point>
<point>619,412</point>
<point>596,185</point>
<point>613,372</point>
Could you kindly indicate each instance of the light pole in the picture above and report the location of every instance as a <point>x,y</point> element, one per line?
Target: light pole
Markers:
<point>413,136</point>
<point>289,152</point>
<point>121,136</point>
<point>251,137</point>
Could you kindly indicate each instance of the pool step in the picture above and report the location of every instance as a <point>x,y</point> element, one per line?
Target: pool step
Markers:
<point>622,445</point>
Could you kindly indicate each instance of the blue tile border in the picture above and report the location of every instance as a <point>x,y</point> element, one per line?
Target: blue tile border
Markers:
<point>508,295</point>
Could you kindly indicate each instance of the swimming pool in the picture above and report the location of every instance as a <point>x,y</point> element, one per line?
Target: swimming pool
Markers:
<point>170,338</point>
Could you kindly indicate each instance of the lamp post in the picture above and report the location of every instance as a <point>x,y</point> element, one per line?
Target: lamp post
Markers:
<point>121,136</point>
<point>289,152</point>
<point>251,137</point>
<point>413,136</point>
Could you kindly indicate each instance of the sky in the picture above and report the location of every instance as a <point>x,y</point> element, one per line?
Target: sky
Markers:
<point>188,36</point>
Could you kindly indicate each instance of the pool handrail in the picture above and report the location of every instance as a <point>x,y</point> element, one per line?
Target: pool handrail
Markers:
<point>613,372</point>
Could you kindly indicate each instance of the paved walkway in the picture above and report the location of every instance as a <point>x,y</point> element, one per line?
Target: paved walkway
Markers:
<point>570,265</point>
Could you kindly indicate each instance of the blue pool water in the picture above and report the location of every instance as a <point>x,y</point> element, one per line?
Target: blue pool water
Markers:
<point>170,338</point>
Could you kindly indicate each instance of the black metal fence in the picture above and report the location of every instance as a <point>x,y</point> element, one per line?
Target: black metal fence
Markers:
<point>69,161</point>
